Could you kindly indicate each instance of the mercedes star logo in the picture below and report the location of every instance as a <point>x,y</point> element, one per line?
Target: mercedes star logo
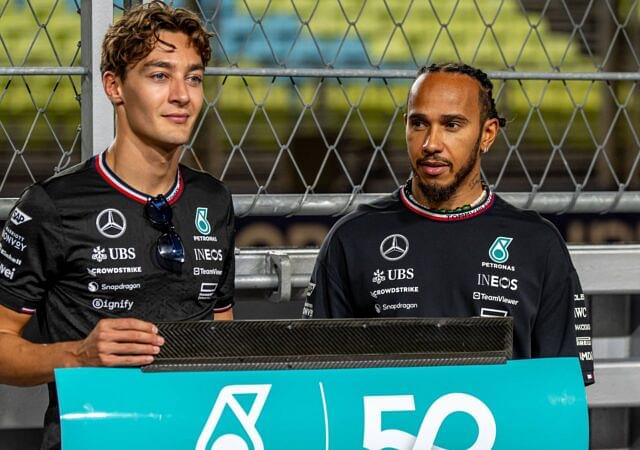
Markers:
<point>394,247</point>
<point>111,223</point>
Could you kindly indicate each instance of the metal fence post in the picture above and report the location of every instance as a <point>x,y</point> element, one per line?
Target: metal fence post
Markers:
<point>97,112</point>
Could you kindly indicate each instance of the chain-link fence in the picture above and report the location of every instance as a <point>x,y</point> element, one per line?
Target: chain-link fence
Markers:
<point>303,115</point>
<point>305,98</point>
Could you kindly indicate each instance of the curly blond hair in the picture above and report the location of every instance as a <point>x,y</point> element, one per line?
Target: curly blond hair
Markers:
<point>137,32</point>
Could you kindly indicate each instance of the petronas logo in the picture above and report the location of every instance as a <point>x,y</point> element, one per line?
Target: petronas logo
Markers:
<point>498,251</point>
<point>202,224</point>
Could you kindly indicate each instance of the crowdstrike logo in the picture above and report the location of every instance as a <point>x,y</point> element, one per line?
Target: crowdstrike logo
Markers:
<point>111,223</point>
<point>498,251</point>
<point>95,271</point>
<point>394,247</point>
<point>247,419</point>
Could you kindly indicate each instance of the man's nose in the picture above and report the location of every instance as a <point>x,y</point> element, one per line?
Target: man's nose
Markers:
<point>179,93</point>
<point>432,139</point>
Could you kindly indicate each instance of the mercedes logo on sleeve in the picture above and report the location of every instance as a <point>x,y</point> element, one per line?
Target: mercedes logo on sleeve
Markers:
<point>111,223</point>
<point>394,247</point>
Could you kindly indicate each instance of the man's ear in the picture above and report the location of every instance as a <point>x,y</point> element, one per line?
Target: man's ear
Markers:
<point>112,85</point>
<point>490,130</point>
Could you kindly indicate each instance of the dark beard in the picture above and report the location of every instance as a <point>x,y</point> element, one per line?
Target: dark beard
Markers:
<point>438,194</point>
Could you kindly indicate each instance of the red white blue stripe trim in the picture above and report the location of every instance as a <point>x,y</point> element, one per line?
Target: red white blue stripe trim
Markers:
<point>414,207</point>
<point>115,182</point>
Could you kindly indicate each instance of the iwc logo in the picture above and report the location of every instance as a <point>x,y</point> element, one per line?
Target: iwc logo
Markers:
<point>394,247</point>
<point>111,223</point>
<point>202,224</point>
<point>498,251</point>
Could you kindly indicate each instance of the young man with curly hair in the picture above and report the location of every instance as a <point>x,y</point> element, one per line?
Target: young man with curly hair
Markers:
<point>129,237</point>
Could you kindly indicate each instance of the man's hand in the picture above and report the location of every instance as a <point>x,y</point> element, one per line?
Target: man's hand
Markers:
<point>119,342</point>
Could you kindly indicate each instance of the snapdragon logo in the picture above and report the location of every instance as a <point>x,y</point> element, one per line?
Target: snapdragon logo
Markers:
<point>247,419</point>
<point>377,438</point>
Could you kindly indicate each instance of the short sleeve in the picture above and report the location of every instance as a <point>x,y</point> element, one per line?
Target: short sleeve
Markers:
<point>225,292</point>
<point>327,295</point>
<point>563,324</point>
<point>31,251</point>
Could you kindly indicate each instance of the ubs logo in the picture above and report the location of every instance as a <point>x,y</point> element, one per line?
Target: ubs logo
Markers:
<point>394,247</point>
<point>111,223</point>
<point>115,253</point>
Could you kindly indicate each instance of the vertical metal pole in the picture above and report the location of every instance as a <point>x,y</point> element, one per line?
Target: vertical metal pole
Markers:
<point>97,111</point>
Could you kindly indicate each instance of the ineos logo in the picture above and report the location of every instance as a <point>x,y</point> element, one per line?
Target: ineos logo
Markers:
<point>394,247</point>
<point>111,223</point>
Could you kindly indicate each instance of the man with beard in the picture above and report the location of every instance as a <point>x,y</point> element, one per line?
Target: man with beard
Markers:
<point>445,245</point>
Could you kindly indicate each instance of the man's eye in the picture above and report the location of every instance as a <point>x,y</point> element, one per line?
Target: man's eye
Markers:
<point>452,125</point>
<point>159,76</point>
<point>417,124</point>
<point>195,79</point>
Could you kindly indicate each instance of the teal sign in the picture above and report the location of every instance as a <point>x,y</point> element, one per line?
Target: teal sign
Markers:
<point>202,224</point>
<point>525,404</point>
<point>498,251</point>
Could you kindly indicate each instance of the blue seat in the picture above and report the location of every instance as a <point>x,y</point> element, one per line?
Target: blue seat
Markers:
<point>352,55</point>
<point>281,27</point>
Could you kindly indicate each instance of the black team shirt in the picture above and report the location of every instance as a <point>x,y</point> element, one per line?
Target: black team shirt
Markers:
<point>77,248</point>
<point>394,258</point>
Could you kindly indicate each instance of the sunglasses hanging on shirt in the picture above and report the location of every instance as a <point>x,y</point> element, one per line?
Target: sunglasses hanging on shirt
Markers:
<point>169,247</point>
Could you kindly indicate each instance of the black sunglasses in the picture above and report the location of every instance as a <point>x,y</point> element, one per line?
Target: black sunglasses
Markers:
<point>169,246</point>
